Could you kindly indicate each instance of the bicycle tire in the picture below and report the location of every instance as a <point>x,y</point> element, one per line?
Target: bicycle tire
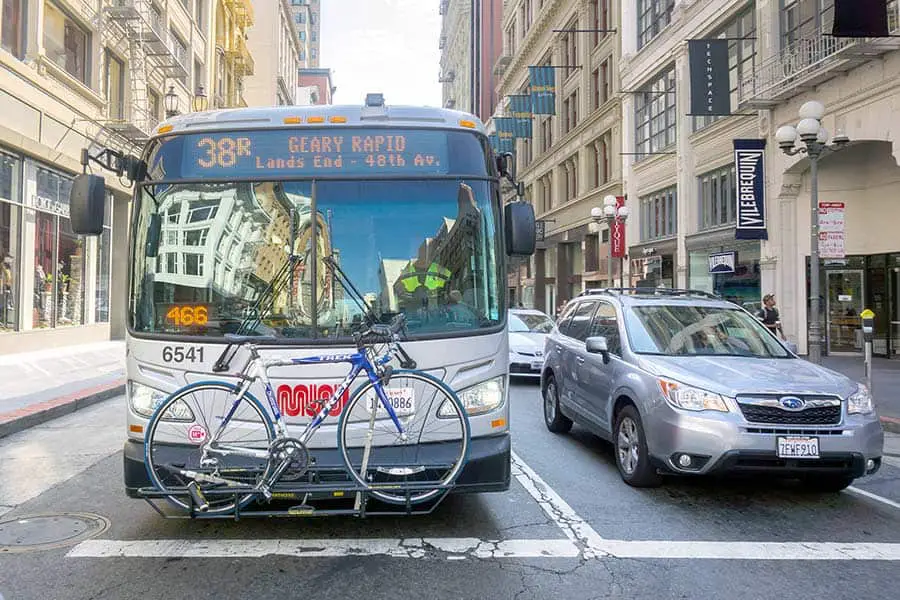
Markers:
<point>447,479</point>
<point>156,419</point>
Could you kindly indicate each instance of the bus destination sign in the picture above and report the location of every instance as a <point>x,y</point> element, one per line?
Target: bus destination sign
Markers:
<point>315,152</point>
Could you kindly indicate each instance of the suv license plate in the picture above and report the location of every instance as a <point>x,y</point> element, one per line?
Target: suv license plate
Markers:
<point>798,447</point>
<point>537,365</point>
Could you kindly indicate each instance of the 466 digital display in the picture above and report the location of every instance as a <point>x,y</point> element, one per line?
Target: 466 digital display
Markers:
<point>311,152</point>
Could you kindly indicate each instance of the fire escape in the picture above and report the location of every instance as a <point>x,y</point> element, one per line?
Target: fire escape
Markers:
<point>237,56</point>
<point>136,30</point>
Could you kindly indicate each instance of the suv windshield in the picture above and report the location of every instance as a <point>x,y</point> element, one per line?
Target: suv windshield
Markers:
<point>523,323</point>
<point>428,249</point>
<point>699,330</point>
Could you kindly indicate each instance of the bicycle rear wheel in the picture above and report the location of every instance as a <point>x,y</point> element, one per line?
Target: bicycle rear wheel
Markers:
<point>416,467</point>
<point>179,429</point>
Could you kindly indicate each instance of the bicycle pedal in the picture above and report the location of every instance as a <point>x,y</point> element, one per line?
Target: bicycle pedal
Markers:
<point>301,510</point>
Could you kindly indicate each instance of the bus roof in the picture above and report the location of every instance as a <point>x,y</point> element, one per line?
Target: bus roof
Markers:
<point>277,117</point>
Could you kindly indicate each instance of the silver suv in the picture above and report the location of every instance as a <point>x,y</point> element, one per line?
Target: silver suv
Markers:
<point>684,382</point>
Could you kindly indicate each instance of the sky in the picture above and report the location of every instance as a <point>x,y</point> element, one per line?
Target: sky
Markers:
<point>387,46</point>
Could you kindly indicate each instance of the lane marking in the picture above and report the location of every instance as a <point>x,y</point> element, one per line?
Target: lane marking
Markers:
<point>576,529</point>
<point>456,548</point>
<point>855,490</point>
<point>452,549</point>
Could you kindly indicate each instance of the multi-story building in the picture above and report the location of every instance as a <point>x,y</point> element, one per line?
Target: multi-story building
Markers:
<point>273,36</point>
<point>681,179</point>
<point>572,161</point>
<point>306,20</point>
<point>471,41</point>
<point>233,61</point>
<point>315,87</point>
<point>85,75</point>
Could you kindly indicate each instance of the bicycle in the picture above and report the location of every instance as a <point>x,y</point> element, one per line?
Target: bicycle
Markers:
<point>188,455</point>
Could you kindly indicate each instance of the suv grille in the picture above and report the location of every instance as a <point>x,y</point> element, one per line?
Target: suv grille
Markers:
<point>819,411</point>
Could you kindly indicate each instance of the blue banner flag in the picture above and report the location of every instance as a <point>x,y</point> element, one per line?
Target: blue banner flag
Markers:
<point>543,90</point>
<point>520,108</point>
<point>506,131</point>
<point>749,162</point>
<point>495,142</point>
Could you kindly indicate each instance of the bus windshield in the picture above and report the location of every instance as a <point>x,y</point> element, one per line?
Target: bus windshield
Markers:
<point>427,248</point>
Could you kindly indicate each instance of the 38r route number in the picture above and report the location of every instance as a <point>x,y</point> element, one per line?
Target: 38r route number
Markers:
<point>179,354</point>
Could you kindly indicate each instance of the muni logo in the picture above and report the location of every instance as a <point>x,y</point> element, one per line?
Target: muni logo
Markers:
<point>307,399</point>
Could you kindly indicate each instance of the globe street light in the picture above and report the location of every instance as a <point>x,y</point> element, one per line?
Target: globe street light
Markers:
<point>171,101</point>
<point>814,139</point>
<point>610,214</point>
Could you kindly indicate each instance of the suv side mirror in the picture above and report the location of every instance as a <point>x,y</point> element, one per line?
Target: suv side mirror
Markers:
<point>598,345</point>
<point>87,203</point>
<point>518,221</point>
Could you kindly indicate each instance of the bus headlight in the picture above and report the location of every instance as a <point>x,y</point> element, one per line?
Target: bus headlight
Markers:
<point>479,399</point>
<point>145,400</point>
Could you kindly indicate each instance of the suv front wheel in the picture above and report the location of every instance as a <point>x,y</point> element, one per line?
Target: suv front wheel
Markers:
<point>630,446</point>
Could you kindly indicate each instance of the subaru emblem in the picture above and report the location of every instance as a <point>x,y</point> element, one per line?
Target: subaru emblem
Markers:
<point>792,403</point>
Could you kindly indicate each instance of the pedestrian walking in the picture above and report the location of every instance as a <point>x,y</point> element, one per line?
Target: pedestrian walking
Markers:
<point>769,316</point>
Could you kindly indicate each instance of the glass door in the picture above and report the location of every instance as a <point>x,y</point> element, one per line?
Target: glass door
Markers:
<point>844,302</point>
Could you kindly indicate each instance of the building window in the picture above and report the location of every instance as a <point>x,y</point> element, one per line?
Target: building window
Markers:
<point>179,49</point>
<point>511,39</point>
<point>599,12</point>
<point>717,197</point>
<point>313,54</point>
<point>193,264</point>
<point>741,35</point>
<point>302,53</point>
<point>10,238</point>
<point>12,27</point>
<point>570,112</point>
<point>600,85</point>
<point>545,184</point>
<point>546,134</point>
<point>202,210</point>
<point>658,214</point>
<point>155,105</point>
<point>655,122</point>
<point>198,74</point>
<point>600,169</point>
<point>66,43</point>
<point>200,14</point>
<point>805,20</point>
<point>570,48</point>
<point>570,167</point>
<point>313,18</point>
<point>313,36</point>
<point>653,16</point>
<point>196,237</point>
<point>115,86</point>
<point>302,36</point>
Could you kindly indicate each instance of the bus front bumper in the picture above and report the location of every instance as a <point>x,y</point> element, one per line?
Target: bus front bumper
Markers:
<point>487,468</point>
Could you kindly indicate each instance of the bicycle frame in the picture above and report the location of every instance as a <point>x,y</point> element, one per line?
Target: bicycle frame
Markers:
<point>359,362</point>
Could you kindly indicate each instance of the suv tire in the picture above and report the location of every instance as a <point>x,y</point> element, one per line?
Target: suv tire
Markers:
<point>630,448</point>
<point>553,417</point>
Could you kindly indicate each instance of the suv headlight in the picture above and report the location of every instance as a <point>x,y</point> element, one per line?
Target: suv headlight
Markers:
<point>860,402</point>
<point>145,400</point>
<point>478,399</point>
<point>691,398</point>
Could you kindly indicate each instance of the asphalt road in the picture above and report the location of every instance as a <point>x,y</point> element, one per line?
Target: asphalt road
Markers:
<point>568,528</point>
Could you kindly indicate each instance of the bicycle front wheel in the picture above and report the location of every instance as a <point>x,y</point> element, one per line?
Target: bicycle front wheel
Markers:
<point>177,442</point>
<point>418,462</point>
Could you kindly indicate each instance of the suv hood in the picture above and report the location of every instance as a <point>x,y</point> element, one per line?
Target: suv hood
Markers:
<point>732,375</point>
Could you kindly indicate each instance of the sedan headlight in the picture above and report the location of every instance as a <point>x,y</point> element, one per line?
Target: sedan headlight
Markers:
<point>478,399</point>
<point>145,400</point>
<point>860,402</point>
<point>691,398</point>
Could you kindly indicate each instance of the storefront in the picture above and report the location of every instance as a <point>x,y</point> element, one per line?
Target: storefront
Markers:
<point>721,265</point>
<point>653,264</point>
<point>849,286</point>
<point>49,277</point>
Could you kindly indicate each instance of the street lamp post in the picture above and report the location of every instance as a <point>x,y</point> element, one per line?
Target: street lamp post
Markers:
<point>610,214</point>
<point>201,101</point>
<point>814,137</point>
<point>171,100</point>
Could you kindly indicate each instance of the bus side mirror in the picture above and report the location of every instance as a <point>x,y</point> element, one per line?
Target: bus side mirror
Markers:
<point>154,229</point>
<point>87,203</point>
<point>518,221</point>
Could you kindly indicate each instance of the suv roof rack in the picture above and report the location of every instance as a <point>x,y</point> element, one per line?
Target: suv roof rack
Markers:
<point>648,291</point>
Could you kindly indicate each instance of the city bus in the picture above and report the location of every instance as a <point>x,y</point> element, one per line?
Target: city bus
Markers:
<point>407,200</point>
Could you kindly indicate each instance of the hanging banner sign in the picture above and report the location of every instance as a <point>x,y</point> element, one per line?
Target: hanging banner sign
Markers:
<point>617,234</point>
<point>860,18</point>
<point>831,229</point>
<point>520,108</point>
<point>506,127</point>
<point>543,90</point>
<point>749,162</point>
<point>710,87</point>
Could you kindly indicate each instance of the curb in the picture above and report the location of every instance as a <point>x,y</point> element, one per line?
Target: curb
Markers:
<point>890,424</point>
<point>24,418</point>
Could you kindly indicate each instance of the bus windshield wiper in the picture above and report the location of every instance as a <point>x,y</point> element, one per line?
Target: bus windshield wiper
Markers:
<point>355,295</point>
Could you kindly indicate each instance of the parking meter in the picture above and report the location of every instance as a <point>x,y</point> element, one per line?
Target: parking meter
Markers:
<point>868,329</point>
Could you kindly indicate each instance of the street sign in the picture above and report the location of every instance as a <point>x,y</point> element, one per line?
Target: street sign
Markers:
<point>540,229</point>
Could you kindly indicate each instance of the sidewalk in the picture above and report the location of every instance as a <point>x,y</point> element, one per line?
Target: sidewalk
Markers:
<point>885,384</point>
<point>38,386</point>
